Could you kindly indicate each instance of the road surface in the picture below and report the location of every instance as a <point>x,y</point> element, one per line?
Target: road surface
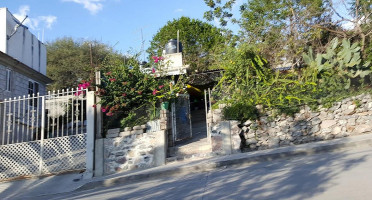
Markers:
<point>344,174</point>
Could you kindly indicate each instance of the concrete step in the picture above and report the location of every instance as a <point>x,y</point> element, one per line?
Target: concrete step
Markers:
<point>181,158</point>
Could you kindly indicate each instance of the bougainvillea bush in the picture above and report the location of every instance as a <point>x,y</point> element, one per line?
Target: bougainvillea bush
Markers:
<point>130,96</point>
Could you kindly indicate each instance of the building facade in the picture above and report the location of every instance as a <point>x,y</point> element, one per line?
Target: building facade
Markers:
<point>22,59</point>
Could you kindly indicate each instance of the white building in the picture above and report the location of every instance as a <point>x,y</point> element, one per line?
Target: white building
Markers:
<point>22,59</point>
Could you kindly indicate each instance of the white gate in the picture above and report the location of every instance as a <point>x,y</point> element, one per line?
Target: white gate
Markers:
<point>44,134</point>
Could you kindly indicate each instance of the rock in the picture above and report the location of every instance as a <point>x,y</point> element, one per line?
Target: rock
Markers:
<point>316,121</point>
<point>137,128</point>
<point>349,111</point>
<point>350,128</point>
<point>282,137</point>
<point>282,123</point>
<point>252,146</point>
<point>136,132</point>
<point>315,129</point>
<point>247,123</point>
<point>251,141</point>
<point>124,134</point>
<point>251,135</point>
<point>351,122</point>
<point>328,124</point>
<point>127,129</point>
<point>112,135</point>
<point>273,142</point>
<point>342,122</point>
<point>336,130</point>
<point>113,131</point>
<point>363,128</point>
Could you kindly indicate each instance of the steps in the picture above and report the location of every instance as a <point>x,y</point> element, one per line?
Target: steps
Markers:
<point>197,149</point>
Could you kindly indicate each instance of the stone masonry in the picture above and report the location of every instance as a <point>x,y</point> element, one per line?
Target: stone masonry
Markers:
<point>351,116</point>
<point>135,148</point>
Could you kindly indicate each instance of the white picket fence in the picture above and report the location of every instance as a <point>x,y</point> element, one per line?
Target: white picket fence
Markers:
<point>46,134</point>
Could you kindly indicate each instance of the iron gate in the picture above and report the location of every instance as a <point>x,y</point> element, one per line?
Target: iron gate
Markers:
<point>181,118</point>
<point>43,134</point>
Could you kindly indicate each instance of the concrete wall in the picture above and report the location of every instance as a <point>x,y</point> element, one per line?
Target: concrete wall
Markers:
<point>23,45</point>
<point>351,116</point>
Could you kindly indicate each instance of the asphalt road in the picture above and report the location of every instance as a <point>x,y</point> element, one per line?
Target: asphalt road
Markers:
<point>345,174</point>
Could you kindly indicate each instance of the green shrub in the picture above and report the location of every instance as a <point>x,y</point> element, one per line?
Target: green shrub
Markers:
<point>241,111</point>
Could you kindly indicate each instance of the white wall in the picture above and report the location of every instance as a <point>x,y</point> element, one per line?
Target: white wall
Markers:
<point>3,12</point>
<point>23,45</point>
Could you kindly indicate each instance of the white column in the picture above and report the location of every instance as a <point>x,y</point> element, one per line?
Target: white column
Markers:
<point>90,135</point>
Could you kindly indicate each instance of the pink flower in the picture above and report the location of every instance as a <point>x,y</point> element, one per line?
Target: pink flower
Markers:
<point>161,86</point>
<point>153,70</point>
<point>112,79</point>
<point>108,73</point>
<point>139,92</point>
<point>154,92</point>
<point>103,109</point>
<point>94,106</point>
<point>160,58</point>
<point>124,94</point>
<point>109,114</point>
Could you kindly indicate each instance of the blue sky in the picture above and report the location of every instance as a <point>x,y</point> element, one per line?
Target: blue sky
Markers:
<point>115,22</point>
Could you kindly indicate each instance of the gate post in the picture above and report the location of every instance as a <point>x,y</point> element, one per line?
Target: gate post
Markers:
<point>42,134</point>
<point>90,136</point>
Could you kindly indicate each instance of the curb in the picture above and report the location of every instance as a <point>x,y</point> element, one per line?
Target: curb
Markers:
<point>236,160</point>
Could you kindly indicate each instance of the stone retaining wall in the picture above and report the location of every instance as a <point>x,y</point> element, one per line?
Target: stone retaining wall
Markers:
<point>135,148</point>
<point>351,116</point>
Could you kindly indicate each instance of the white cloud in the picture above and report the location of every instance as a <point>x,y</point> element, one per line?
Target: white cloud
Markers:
<point>92,5</point>
<point>178,10</point>
<point>49,20</point>
<point>34,23</point>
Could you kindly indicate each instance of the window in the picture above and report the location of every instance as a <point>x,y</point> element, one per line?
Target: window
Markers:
<point>8,79</point>
<point>33,89</point>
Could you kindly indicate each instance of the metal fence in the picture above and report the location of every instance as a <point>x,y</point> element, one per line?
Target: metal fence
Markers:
<point>43,134</point>
<point>31,118</point>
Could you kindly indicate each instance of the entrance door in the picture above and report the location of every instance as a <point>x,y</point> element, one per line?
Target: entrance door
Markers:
<point>181,118</point>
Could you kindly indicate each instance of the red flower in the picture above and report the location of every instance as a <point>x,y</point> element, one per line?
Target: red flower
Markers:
<point>139,92</point>
<point>124,94</point>
<point>108,73</point>
<point>153,70</point>
<point>154,92</point>
<point>94,106</point>
<point>112,79</point>
<point>161,86</point>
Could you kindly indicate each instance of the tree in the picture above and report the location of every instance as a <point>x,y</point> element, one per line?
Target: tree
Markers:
<point>199,40</point>
<point>284,27</point>
<point>277,27</point>
<point>70,61</point>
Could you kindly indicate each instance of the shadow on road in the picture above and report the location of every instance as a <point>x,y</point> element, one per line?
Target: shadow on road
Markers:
<point>299,177</point>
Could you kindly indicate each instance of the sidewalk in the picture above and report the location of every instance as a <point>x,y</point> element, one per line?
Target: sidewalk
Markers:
<point>26,189</point>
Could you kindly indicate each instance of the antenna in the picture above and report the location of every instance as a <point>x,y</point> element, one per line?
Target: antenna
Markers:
<point>142,45</point>
<point>16,27</point>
